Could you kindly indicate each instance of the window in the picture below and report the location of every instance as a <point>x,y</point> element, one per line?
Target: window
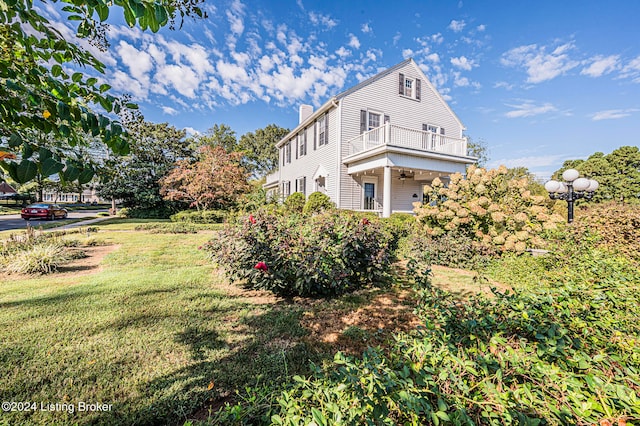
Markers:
<point>409,87</point>
<point>369,196</point>
<point>374,120</point>
<point>286,189</point>
<point>323,127</point>
<point>301,185</point>
<point>434,137</point>
<point>287,152</point>
<point>321,184</point>
<point>302,143</point>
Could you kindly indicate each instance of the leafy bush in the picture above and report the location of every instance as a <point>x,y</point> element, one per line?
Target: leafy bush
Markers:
<point>617,226</point>
<point>199,216</point>
<point>124,212</point>
<point>491,209</point>
<point>568,353</point>
<point>318,202</point>
<point>295,202</point>
<point>322,255</point>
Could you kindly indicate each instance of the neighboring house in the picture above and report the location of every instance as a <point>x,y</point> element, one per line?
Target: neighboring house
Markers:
<point>6,189</point>
<point>375,146</point>
<point>89,195</point>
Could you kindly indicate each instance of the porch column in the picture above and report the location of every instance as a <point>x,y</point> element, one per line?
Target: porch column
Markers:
<point>386,192</point>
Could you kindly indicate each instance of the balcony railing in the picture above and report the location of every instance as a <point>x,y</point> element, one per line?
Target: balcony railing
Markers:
<point>403,137</point>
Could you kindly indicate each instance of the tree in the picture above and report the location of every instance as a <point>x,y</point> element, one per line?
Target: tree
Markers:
<point>478,149</point>
<point>618,173</point>
<point>215,180</point>
<point>218,135</point>
<point>40,94</point>
<point>134,178</point>
<point>259,149</point>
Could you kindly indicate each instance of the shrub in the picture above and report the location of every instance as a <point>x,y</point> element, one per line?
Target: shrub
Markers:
<point>123,212</point>
<point>324,255</point>
<point>567,353</point>
<point>41,258</point>
<point>295,202</point>
<point>318,202</point>
<point>492,209</point>
<point>201,216</point>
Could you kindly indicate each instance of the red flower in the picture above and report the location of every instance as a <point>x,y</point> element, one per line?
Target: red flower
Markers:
<point>262,266</point>
<point>365,221</point>
<point>252,219</point>
<point>199,247</point>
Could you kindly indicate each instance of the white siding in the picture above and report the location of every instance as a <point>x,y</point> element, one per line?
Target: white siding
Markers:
<point>383,96</point>
<point>325,155</point>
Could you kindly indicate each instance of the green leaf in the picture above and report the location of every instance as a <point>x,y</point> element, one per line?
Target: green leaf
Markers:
<point>50,167</point>
<point>85,176</point>
<point>27,150</point>
<point>15,140</point>
<point>44,153</point>
<point>70,173</point>
<point>25,171</point>
<point>56,70</point>
<point>104,87</point>
<point>91,81</point>
<point>76,77</point>
<point>103,12</point>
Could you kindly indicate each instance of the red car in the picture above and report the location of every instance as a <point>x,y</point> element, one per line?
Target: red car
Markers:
<point>44,211</point>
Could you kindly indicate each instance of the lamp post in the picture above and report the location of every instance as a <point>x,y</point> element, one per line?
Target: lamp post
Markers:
<point>573,188</point>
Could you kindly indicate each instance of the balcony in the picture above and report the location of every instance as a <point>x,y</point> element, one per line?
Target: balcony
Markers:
<point>402,137</point>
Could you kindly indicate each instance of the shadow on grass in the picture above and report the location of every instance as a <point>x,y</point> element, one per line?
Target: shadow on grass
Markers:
<point>270,354</point>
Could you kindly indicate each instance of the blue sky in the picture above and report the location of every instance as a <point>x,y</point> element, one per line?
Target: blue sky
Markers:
<point>539,82</point>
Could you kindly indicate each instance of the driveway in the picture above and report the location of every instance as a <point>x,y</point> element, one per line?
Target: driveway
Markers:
<point>14,221</point>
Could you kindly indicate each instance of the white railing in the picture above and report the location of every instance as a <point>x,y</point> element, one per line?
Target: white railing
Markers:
<point>408,138</point>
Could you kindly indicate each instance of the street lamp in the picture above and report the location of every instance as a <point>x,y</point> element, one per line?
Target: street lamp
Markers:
<point>571,190</point>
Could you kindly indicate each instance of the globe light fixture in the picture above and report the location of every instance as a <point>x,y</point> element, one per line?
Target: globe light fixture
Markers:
<point>573,188</point>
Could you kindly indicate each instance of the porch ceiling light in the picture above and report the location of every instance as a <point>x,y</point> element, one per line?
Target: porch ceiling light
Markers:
<point>571,190</point>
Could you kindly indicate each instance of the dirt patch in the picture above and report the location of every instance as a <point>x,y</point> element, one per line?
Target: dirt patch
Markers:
<point>351,329</point>
<point>89,264</point>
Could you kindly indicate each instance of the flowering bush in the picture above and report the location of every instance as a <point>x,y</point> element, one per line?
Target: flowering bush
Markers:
<point>323,255</point>
<point>492,209</point>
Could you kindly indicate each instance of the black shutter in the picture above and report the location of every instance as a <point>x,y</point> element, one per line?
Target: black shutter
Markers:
<point>363,121</point>
<point>387,119</point>
<point>297,143</point>
<point>425,127</point>
<point>304,185</point>
<point>315,135</point>
<point>401,85</point>
<point>304,139</point>
<point>442,130</point>
<point>418,85</point>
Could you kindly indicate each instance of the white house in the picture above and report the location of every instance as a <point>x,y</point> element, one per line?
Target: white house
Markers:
<point>374,146</point>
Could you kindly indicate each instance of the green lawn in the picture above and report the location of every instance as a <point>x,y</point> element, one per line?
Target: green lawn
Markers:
<point>155,332</point>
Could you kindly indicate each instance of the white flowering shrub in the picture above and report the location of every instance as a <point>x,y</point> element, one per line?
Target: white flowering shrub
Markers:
<point>489,208</point>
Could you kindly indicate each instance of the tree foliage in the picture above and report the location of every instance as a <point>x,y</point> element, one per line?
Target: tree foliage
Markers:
<point>478,149</point>
<point>618,173</point>
<point>134,178</point>
<point>215,180</point>
<point>42,97</point>
<point>259,149</point>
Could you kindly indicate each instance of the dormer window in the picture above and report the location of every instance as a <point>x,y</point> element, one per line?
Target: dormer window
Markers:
<point>409,87</point>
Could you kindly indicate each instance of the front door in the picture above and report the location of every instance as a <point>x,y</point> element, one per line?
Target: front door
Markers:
<point>369,196</point>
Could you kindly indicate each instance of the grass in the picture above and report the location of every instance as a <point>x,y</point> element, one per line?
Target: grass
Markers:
<point>155,332</point>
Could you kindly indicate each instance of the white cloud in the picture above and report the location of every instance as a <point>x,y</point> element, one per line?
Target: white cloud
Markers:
<point>181,78</point>
<point>503,85</point>
<point>463,63</point>
<point>396,38</point>
<point>528,109</point>
<point>191,131</point>
<point>354,42</point>
<point>366,28</point>
<point>481,28</point>
<point>539,65</point>
<point>407,53</point>
<point>457,26</point>
<point>632,70</point>
<point>343,52</point>
<point>170,111</point>
<point>235,15</point>
<point>613,114</point>
<point>326,21</point>
<point>601,65</point>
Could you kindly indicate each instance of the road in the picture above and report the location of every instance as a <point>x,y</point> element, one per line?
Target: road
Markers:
<point>14,221</point>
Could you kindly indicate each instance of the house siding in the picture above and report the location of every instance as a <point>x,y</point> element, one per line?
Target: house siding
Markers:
<point>383,96</point>
<point>306,165</point>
